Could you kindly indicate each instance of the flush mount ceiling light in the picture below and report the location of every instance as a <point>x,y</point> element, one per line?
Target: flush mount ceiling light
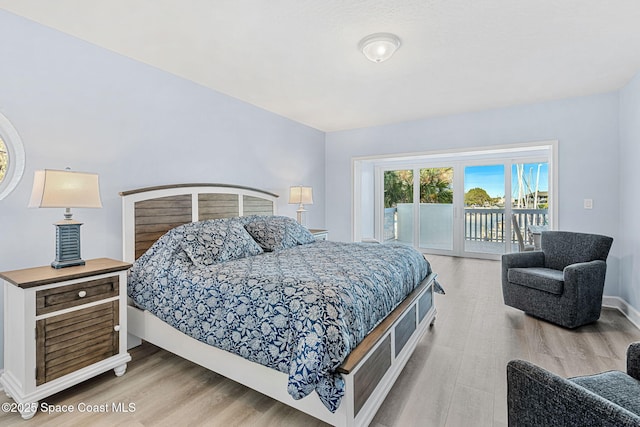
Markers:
<point>379,47</point>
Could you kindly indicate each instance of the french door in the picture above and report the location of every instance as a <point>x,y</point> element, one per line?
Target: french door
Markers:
<point>419,207</point>
<point>485,209</point>
<point>464,208</point>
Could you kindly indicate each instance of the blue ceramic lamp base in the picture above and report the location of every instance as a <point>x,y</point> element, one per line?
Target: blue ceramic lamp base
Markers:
<point>67,244</point>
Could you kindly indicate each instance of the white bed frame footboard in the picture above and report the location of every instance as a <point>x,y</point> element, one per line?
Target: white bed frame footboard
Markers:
<point>369,371</point>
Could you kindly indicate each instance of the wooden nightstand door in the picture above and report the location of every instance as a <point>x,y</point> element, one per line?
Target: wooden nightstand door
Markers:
<point>68,342</point>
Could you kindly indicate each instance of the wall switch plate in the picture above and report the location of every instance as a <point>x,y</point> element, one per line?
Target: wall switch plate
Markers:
<point>588,203</point>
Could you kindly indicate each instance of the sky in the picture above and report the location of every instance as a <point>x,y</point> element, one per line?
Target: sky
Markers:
<point>491,178</point>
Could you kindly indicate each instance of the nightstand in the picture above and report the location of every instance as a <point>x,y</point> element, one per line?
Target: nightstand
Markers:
<point>61,327</point>
<point>320,234</point>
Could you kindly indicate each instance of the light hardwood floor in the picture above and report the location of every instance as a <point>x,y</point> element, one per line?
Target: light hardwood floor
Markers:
<point>456,376</point>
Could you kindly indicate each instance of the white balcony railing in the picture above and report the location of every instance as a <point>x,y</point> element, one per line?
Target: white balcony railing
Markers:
<point>480,224</point>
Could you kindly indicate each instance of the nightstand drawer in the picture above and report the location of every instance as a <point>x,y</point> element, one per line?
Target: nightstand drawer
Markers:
<point>50,300</point>
<point>71,341</point>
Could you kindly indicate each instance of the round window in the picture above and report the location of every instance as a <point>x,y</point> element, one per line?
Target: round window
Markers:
<point>11,157</point>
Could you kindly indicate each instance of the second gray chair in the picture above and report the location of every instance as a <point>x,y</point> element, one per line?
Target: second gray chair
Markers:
<point>562,283</point>
<point>537,397</point>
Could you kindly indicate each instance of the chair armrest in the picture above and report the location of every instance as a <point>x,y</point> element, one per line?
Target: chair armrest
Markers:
<point>521,260</point>
<point>537,397</point>
<point>596,265</point>
<point>633,360</point>
<point>586,279</point>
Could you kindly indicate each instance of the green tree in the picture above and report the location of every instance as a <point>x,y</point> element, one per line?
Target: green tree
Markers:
<point>476,197</point>
<point>398,187</point>
<point>436,185</point>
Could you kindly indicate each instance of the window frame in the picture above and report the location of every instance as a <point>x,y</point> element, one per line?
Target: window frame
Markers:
<point>367,191</point>
<point>16,157</point>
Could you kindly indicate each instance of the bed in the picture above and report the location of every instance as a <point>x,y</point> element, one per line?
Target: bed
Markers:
<point>330,349</point>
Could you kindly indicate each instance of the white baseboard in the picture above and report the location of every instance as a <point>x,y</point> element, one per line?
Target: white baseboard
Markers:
<point>618,303</point>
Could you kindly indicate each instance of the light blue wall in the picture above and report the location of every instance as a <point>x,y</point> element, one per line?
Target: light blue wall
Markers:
<point>588,153</point>
<point>629,237</point>
<point>77,105</point>
<point>81,106</point>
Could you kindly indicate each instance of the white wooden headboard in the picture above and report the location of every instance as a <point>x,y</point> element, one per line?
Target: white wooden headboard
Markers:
<point>148,213</point>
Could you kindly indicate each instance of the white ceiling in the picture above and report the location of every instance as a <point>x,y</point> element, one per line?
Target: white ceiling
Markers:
<point>299,58</point>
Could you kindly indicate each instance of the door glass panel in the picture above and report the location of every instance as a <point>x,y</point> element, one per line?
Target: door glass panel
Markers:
<point>529,201</point>
<point>398,206</point>
<point>436,208</point>
<point>484,216</point>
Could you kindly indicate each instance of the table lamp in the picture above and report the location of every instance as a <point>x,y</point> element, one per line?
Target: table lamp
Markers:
<point>66,189</point>
<point>301,196</point>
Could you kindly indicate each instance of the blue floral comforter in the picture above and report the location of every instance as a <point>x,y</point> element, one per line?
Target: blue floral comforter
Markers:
<point>299,310</point>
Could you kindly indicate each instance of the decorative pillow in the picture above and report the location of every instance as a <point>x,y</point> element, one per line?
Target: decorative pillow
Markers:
<point>214,241</point>
<point>278,232</point>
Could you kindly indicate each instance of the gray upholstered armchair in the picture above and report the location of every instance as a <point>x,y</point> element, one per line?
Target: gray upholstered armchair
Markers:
<point>537,397</point>
<point>563,282</point>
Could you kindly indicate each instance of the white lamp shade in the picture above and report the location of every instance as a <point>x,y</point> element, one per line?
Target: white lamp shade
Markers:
<point>65,189</point>
<point>301,195</point>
